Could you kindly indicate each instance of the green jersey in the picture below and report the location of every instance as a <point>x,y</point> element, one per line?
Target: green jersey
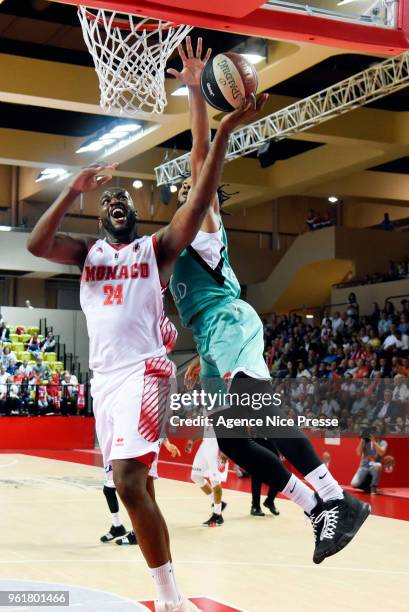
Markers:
<point>203,276</point>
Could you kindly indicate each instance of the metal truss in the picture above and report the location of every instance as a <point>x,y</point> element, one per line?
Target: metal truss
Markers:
<point>375,82</point>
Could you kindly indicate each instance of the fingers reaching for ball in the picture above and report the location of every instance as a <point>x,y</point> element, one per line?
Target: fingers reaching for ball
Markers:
<point>193,63</point>
<point>250,106</point>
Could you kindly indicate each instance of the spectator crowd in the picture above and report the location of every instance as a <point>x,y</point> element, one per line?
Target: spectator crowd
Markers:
<point>30,384</point>
<point>354,368</point>
<point>315,221</point>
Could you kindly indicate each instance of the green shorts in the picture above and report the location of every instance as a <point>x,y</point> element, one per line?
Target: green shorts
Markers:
<point>230,339</point>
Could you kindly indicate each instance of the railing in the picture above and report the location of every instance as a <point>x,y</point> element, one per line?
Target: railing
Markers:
<point>319,309</point>
<point>394,297</point>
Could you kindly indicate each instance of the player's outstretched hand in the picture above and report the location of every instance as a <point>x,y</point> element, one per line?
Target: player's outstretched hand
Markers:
<point>192,374</point>
<point>172,448</point>
<point>249,108</point>
<point>193,63</point>
<point>90,178</point>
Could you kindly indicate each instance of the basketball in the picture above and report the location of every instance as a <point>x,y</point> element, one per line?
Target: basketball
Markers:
<point>226,79</point>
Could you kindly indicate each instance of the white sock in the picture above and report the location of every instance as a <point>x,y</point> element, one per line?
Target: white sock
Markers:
<point>174,580</point>
<point>299,493</point>
<point>116,521</point>
<point>324,483</point>
<point>165,583</point>
<point>217,508</point>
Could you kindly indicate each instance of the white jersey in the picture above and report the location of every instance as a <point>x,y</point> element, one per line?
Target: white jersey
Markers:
<point>122,299</point>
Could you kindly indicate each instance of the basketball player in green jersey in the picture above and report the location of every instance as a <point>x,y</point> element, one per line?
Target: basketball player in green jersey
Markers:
<point>229,338</point>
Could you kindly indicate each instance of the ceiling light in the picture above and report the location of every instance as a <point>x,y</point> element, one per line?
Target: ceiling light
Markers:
<point>333,199</point>
<point>254,58</point>
<point>309,316</point>
<point>173,188</point>
<point>126,128</point>
<point>137,184</point>
<point>94,145</point>
<point>118,136</point>
<point>181,91</point>
<point>52,173</point>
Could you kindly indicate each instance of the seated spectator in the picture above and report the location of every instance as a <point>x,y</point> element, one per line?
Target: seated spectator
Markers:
<point>48,344</point>
<point>3,398</point>
<point>26,369</point>
<point>312,220</point>
<point>3,375</point>
<point>13,396</point>
<point>373,341</point>
<point>327,220</point>
<point>69,394</point>
<point>401,426</point>
<point>371,449</point>
<point>361,370</point>
<point>387,409</point>
<point>338,324</point>
<point>33,345</point>
<point>4,332</point>
<point>392,341</point>
<point>384,325</point>
<point>11,370</point>
<point>404,338</point>
<point>57,375</point>
<point>400,389</point>
<point>40,369</point>
<point>386,223</point>
<point>6,356</point>
<point>404,368</point>
<point>53,394</point>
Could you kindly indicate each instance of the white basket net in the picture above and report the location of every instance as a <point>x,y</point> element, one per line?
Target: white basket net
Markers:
<point>130,60</point>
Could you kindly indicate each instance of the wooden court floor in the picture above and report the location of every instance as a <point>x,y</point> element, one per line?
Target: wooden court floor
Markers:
<point>53,514</point>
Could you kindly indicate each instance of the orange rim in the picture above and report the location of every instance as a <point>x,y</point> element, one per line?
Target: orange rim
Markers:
<point>123,24</point>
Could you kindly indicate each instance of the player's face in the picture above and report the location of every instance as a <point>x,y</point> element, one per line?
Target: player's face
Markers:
<point>117,212</point>
<point>184,191</point>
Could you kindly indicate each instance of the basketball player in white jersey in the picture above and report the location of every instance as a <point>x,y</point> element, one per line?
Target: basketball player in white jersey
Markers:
<point>210,467</point>
<point>121,296</point>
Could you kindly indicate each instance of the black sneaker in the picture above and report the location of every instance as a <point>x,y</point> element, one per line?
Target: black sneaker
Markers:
<point>224,505</point>
<point>214,521</point>
<point>128,540</point>
<point>335,523</point>
<point>272,507</point>
<point>256,511</point>
<point>114,532</point>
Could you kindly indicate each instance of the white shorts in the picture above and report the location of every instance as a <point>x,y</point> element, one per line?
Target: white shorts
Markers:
<point>129,408</point>
<point>207,464</point>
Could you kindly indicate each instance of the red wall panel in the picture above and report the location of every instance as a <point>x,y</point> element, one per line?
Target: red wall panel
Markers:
<point>27,433</point>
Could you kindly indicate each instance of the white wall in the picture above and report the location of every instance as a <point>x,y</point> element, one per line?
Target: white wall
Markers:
<point>367,294</point>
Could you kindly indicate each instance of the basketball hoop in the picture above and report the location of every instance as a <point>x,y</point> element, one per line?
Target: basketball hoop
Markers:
<point>130,55</point>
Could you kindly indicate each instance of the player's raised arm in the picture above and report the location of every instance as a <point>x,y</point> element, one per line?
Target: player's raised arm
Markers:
<point>190,74</point>
<point>44,241</point>
<point>187,220</point>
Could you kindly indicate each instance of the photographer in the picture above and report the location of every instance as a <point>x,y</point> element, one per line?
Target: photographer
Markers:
<point>371,449</point>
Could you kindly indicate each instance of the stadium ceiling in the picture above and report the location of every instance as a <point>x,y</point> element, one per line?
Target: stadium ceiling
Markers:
<point>49,105</point>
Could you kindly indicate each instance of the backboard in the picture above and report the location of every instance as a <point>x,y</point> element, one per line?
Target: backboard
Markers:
<point>372,26</point>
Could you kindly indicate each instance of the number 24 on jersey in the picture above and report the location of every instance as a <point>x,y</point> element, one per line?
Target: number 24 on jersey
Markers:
<point>113,294</point>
